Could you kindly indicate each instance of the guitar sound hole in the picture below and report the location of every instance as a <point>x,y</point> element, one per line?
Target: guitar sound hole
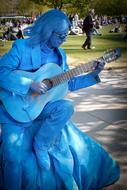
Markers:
<point>48,82</point>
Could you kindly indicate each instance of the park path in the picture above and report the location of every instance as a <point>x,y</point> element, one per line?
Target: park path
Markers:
<point>101,112</point>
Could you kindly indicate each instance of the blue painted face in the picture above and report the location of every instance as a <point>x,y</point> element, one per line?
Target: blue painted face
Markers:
<point>58,36</point>
<point>57,39</point>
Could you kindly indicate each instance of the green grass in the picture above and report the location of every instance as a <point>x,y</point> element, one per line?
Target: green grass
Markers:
<point>4,47</point>
<point>76,55</point>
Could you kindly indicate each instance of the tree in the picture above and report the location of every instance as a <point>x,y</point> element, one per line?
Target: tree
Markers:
<point>57,4</point>
<point>7,7</point>
<point>23,6</point>
<point>80,6</point>
<point>102,7</point>
<point>110,7</point>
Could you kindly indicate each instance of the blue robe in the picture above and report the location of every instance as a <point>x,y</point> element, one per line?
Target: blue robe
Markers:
<point>77,161</point>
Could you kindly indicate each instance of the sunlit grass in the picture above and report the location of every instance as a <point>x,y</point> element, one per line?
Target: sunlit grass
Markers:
<point>101,43</point>
<point>76,55</point>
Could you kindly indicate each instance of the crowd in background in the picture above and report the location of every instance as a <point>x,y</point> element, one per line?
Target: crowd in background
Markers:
<point>12,29</point>
<point>99,22</point>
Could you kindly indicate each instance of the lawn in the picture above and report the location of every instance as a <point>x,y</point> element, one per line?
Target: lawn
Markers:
<point>102,43</point>
<point>76,55</point>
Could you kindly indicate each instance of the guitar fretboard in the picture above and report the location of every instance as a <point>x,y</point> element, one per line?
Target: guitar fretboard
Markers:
<point>65,76</point>
<point>111,55</point>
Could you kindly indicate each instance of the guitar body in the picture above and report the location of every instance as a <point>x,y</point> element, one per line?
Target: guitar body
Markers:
<point>27,108</point>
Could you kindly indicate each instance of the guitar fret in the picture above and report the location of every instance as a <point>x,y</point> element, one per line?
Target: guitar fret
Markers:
<point>73,73</point>
<point>82,70</point>
<point>59,79</point>
<point>76,71</point>
<point>69,75</point>
<point>63,77</point>
<point>87,67</point>
<point>90,66</point>
<point>66,76</point>
<point>55,81</point>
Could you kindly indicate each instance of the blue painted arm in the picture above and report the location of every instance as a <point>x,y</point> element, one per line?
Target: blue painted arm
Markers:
<point>83,81</point>
<point>9,79</point>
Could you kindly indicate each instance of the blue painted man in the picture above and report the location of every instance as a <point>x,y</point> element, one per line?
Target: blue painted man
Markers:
<point>48,152</point>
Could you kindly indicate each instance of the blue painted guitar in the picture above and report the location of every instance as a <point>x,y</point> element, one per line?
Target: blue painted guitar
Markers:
<point>27,108</point>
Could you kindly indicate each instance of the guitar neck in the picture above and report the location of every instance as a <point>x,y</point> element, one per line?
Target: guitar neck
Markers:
<point>65,76</point>
<point>108,57</point>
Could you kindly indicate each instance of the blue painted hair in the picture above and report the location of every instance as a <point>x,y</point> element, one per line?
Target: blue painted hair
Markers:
<point>43,27</point>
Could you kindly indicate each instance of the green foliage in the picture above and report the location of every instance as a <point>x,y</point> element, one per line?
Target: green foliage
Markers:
<point>110,7</point>
<point>80,6</point>
<point>23,6</point>
<point>102,7</point>
<point>6,7</point>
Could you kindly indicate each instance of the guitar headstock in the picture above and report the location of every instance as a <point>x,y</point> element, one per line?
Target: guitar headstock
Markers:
<point>112,55</point>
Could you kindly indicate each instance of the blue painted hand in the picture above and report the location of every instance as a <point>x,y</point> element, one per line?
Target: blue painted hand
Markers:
<point>98,68</point>
<point>39,87</point>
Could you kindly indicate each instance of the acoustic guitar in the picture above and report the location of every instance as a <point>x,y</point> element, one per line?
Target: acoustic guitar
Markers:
<point>27,108</point>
